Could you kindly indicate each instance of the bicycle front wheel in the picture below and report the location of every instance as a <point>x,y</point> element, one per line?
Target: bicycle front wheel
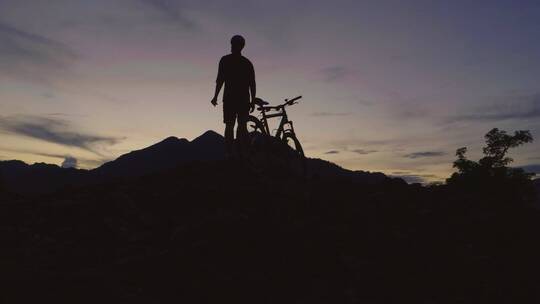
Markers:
<point>293,142</point>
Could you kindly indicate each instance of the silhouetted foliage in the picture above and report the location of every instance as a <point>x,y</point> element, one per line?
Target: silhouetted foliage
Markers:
<point>491,173</point>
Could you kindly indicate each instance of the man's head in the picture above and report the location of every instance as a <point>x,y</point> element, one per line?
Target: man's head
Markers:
<point>237,44</point>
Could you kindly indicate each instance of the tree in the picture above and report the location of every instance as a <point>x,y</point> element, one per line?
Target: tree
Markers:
<point>498,143</point>
<point>491,173</point>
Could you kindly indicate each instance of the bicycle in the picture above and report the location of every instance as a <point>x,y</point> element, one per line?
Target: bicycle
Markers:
<point>285,131</point>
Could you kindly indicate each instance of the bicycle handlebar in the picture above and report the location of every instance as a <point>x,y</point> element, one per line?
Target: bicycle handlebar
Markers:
<point>291,101</point>
<point>288,102</point>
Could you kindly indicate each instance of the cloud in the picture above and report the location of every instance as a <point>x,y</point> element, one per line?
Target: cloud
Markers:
<point>335,73</point>
<point>25,151</point>
<point>81,162</point>
<point>48,95</point>
<point>60,114</point>
<point>416,178</point>
<point>412,179</point>
<point>363,152</point>
<point>355,142</point>
<point>53,131</point>
<point>358,151</point>
<point>517,108</point>
<point>423,154</point>
<point>69,162</point>
<point>31,56</point>
<point>329,114</point>
<point>410,111</point>
<point>400,173</point>
<point>535,113</point>
<point>533,168</point>
<point>171,10</point>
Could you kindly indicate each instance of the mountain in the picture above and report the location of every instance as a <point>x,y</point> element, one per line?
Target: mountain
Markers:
<point>166,155</point>
<point>19,177</point>
<point>320,168</point>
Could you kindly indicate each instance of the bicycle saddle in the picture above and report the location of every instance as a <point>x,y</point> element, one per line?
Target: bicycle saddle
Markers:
<point>260,102</point>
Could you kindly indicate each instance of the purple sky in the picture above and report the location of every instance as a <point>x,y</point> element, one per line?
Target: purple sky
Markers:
<point>391,86</point>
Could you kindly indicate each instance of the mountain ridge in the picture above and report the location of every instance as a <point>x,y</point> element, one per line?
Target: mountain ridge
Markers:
<point>166,154</point>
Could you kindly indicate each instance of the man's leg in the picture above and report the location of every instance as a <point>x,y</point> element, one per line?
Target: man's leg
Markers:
<point>241,130</point>
<point>229,118</point>
<point>229,139</point>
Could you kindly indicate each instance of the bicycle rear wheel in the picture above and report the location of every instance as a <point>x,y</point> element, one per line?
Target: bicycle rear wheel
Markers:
<point>254,125</point>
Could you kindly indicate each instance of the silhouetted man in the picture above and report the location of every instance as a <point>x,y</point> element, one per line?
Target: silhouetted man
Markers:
<point>238,75</point>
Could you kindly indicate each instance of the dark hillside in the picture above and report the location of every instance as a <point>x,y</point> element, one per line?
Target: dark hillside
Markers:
<point>208,231</point>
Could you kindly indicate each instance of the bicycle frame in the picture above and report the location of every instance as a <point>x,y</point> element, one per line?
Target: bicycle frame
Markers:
<point>283,123</point>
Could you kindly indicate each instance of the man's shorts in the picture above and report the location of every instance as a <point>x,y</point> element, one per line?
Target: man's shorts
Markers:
<point>235,110</point>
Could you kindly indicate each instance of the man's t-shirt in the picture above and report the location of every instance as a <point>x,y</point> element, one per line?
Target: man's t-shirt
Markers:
<point>238,74</point>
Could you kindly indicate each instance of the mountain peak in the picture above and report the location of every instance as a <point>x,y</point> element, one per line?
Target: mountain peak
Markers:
<point>209,135</point>
<point>171,140</point>
<point>163,155</point>
<point>167,143</point>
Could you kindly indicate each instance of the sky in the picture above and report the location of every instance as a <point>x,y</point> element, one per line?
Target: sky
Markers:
<point>389,86</point>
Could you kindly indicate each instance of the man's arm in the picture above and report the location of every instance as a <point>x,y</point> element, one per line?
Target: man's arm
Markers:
<point>219,83</point>
<point>252,88</point>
